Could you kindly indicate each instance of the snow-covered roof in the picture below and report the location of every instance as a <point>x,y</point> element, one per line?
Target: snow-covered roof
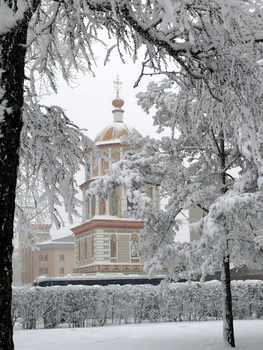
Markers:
<point>67,239</point>
<point>113,133</point>
<point>63,242</point>
<point>112,218</point>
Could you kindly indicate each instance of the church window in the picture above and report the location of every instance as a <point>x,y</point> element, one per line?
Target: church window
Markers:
<point>134,245</point>
<point>113,246</point>
<point>87,208</point>
<point>114,203</point>
<point>93,206</point>
<point>102,206</point>
<point>95,167</point>
<point>105,164</point>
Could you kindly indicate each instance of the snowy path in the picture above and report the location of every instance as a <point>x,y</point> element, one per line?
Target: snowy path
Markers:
<point>158,336</point>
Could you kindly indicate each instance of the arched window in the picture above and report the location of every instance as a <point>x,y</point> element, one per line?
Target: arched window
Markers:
<point>93,206</point>
<point>113,246</point>
<point>115,156</point>
<point>134,245</point>
<point>102,206</point>
<point>105,164</point>
<point>95,167</point>
<point>114,203</point>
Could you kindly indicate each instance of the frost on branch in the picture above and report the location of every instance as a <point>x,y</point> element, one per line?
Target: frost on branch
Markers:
<point>9,17</point>
<point>203,158</point>
<point>59,40</point>
<point>84,306</point>
<point>52,152</point>
<point>201,165</point>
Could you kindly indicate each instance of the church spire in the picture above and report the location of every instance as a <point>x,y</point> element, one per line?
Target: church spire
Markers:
<point>117,102</point>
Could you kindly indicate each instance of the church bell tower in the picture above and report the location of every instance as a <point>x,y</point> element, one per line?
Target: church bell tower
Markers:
<point>108,237</point>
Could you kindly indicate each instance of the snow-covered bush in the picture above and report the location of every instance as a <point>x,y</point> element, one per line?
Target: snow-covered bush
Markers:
<point>79,306</point>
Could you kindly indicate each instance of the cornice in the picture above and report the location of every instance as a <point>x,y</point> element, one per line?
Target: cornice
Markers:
<point>117,225</point>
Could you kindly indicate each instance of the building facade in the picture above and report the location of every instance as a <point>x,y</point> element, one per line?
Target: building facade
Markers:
<point>108,238</point>
<point>38,255</point>
<point>27,252</point>
<point>55,258</point>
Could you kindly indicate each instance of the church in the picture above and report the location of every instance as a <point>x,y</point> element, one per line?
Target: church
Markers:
<point>108,237</point>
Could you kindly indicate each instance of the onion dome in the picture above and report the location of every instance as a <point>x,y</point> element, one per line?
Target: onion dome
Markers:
<point>117,102</point>
<point>113,132</point>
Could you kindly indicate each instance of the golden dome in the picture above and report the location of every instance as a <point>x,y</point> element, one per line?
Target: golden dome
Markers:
<point>117,102</point>
<point>113,132</point>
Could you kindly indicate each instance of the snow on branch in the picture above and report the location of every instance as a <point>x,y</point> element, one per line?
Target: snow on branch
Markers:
<point>10,16</point>
<point>89,306</point>
<point>52,152</point>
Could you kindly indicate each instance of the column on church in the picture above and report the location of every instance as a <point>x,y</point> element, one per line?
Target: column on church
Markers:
<point>85,207</point>
<point>123,202</point>
<point>97,205</point>
<point>91,165</point>
<point>110,157</point>
<point>107,200</point>
<point>99,167</point>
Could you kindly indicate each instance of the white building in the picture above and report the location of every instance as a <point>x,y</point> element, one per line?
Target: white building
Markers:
<point>106,240</point>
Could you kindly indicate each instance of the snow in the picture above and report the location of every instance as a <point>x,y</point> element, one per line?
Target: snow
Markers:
<point>116,129</point>
<point>8,18</point>
<point>112,218</point>
<point>157,336</point>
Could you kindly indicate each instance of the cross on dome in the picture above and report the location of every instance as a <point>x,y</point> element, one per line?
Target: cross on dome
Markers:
<point>117,85</point>
<point>117,102</point>
<point>113,132</point>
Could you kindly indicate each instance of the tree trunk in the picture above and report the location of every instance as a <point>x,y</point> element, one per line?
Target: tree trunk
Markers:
<point>228,326</point>
<point>12,62</point>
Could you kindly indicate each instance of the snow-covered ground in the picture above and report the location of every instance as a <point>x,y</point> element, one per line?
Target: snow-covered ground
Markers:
<point>157,336</point>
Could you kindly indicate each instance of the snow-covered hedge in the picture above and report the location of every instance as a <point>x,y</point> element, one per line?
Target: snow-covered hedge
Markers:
<point>80,306</point>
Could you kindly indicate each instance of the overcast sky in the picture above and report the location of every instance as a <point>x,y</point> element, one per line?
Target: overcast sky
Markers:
<point>88,102</point>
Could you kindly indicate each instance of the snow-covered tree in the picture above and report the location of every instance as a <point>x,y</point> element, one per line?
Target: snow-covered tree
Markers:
<point>206,164</point>
<point>80,306</point>
<point>49,147</point>
<point>51,153</point>
<point>205,39</point>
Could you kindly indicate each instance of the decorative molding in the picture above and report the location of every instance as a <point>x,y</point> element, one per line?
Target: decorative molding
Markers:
<point>117,225</point>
